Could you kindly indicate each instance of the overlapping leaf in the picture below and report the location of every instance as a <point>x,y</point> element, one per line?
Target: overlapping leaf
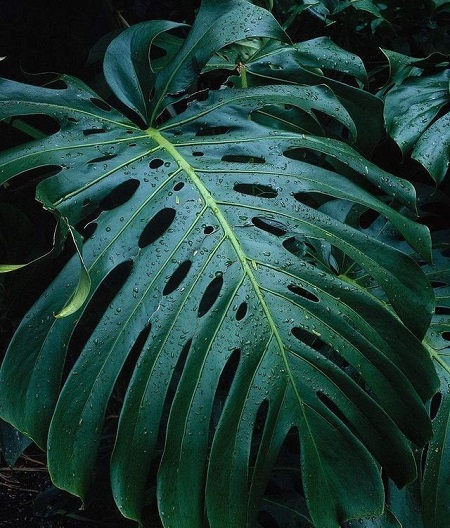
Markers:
<point>206,222</point>
<point>306,63</point>
<point>413,118</point>
<point>435,489</point>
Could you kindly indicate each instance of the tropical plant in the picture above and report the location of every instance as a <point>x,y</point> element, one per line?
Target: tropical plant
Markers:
<point>229,290</point>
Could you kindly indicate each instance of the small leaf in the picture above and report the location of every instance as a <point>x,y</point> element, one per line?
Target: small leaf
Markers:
<point>211,32</point>
<point>127,64</point>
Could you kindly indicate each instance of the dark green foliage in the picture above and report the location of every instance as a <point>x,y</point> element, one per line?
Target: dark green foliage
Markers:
<point>242,287</point>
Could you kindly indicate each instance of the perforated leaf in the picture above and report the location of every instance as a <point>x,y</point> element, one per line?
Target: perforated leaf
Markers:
<point>435,488</point>
<point>216,282</point>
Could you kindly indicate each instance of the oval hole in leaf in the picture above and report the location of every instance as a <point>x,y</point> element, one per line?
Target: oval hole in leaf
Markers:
<point>178,186</point>
<point>177,277</point>
<point>438,284</point>
<point>120,195</point>
<point>270,226</point>
<point>241,312</point>
<point>156,163</point>
<point>223,388</point>
<point>243,159</point>
<point>258,429</point>
<point>97,306</point>
<point>314,342</point>
<point>254,189</point>
<point>100,104</point>
<point>208,230</point>
<point>298,290</point>
<point>197,153</point>
<point>210,296</point>
<point>446,336</point>
<point>91,131</point>
<point>157,226</point>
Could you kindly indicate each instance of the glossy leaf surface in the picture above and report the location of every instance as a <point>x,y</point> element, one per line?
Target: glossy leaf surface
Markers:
<point>208,254</point>
<point>413,119</point>
<point>436,478</point>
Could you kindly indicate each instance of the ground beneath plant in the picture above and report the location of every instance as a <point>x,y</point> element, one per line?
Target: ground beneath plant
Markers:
<point>28,500</point>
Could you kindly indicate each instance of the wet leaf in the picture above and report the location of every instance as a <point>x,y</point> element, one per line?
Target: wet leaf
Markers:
<point>214,280</point>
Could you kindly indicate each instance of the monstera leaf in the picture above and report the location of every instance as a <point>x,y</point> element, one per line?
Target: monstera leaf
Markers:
<point>416,112</point>
<point>435,489</point>
<point>218,287</point>
<point>316,61</point>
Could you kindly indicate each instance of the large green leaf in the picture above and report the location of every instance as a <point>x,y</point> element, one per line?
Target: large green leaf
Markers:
<point>227,280</point>
<point>435,485</point>
<point>412,114</point>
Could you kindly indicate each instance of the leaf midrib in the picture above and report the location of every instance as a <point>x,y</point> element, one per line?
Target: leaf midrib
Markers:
<point>229,234</point>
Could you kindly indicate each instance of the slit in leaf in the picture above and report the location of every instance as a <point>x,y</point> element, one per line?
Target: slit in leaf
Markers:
<point>252,189</point>
<point>270,226</point>
<point>442,310</point>
<point>126,372</point>
<point>172,388</point>
<point>106,157</point>
<point>97,306</point>
<point>329,403</point>
<point>295,288</point>
<point>258,430</point>
<point>57,84</point>
<point>223,389</point>
<point>243,159</point>
<point>91,131</point>
<point>435,404</point>
<point>446,336</point>
<point>30,178</point>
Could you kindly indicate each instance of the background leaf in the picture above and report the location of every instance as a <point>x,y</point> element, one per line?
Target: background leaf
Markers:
<point>412,119</point>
